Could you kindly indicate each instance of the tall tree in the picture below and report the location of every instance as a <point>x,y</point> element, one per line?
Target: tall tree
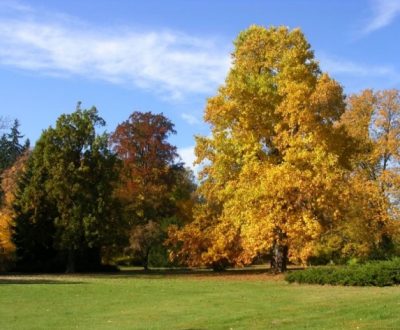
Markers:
<point>373,120</point>
<point>75,171</point>
<point>152,186</point>
<point>277,166</point>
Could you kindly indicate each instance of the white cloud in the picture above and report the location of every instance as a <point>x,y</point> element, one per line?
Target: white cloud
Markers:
<point>167,62</point>
<point>385,11</point>
<point>190,119</point>
<point>188,157</point>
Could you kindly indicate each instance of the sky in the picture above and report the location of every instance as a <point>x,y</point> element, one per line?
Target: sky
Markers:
<point>170,56</point>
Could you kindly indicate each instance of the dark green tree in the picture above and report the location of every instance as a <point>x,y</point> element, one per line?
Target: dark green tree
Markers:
<point>11,147</point>
<point>69,187</point>
<point>34,228</point>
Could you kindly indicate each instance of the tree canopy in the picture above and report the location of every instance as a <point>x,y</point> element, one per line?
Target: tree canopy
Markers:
<point>154,188</point>
<point>68,187</point>
<point>277,174</point>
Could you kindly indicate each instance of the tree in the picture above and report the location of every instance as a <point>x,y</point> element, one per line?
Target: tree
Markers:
<point>142,238</point>
<point>153,188</point>
<point>10,146</point>
<point>9,185</point>
<point>277,166</point>
<point>373,120</point>
<point>141,144</point>
<point>68,190</point>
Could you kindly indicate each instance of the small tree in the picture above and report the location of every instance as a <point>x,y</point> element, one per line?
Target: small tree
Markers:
<point>11,147</point>
<point>142,239</point>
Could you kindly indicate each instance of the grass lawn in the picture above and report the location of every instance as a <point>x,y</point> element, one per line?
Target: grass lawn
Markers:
<point>131,300</point>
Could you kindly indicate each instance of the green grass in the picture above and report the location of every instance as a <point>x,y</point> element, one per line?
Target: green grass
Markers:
<point>134,301</point>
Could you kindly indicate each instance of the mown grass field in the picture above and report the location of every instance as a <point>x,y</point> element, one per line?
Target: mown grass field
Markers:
<point>234,300</point>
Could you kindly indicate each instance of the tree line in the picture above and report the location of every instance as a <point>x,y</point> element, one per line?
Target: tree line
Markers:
<point>79,198</point>
<point>294,170</point>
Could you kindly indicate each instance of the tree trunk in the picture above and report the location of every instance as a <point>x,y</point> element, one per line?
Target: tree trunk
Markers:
<point>71,261</point>
<point>146,261</point>
<point>279,258</point>
<point>218,267</point>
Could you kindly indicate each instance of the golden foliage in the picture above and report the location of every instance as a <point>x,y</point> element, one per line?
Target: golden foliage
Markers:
<point>279,166</point>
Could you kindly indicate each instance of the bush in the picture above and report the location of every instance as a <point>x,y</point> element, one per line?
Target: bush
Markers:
<point>377,273</point>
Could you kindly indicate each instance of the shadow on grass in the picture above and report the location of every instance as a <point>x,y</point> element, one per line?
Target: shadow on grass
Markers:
<point>186,272</point>
<point>138,272</point>
<point>20,280</point>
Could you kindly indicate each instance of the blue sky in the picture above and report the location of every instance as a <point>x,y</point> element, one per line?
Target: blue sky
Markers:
<point>169,56</point>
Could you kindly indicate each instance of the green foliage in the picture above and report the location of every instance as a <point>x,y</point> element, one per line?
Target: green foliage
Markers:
<point>378,273</point>
<point>11,147</point>
<point>65,201</point>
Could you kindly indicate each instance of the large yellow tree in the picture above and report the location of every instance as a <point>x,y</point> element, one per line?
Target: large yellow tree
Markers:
<point>277,172</point>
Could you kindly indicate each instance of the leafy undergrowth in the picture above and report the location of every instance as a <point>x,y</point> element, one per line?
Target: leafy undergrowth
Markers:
<point>377,273</point>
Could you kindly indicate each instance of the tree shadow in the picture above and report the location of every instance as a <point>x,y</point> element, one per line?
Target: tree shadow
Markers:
<point>255,272</point>
<point>188,272</point>
<point>21,280</point>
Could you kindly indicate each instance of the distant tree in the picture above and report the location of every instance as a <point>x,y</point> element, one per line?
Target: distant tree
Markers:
<point>68,189</point>
<point>11,147</point>
<point>9,185</point>
<point>152,186</point>
<point>142,238</point>
<point>372,119</point>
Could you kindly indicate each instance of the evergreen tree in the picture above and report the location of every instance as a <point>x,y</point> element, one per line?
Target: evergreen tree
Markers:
<point>11,147</point>
<point>65,202</point>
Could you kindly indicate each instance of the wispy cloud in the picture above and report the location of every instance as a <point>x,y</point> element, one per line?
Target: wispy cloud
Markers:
<point>190,119</point>
<point>356,75</point>
<point>14,5</point>
<point>337,65</point>
<point>167,62</point>
<point>384,13</point>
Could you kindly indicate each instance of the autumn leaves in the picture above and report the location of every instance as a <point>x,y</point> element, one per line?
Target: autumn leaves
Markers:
<point>288,166</point>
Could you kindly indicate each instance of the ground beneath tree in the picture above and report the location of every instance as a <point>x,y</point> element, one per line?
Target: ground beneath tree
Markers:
<point>253,273</point>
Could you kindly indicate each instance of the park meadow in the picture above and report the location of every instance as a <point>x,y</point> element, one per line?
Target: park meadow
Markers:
<point>250,299</point>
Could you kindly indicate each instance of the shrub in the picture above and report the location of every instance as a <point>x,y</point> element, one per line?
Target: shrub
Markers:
<point>376,273</point>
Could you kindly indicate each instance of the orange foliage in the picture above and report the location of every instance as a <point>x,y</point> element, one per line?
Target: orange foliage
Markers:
<point>9,182</point>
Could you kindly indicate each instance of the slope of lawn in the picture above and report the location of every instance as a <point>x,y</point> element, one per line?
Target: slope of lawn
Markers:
<point>129,300</point>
